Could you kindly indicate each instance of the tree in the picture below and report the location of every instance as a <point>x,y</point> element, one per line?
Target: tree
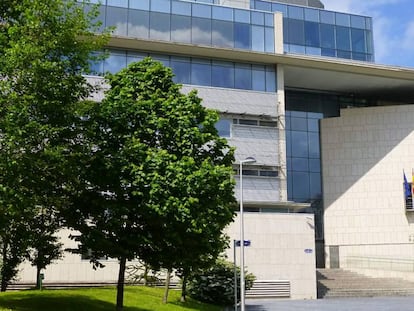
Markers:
<point>153,172</point>
<point>45,47</point>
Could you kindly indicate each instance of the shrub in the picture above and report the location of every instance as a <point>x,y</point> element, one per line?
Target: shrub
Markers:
<point>216,283</point>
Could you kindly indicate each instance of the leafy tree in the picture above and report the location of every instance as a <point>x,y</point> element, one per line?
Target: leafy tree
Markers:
<point>153,172</point>
<point>45,46</point>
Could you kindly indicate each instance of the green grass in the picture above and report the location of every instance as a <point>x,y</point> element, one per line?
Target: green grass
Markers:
<point>136,298</point>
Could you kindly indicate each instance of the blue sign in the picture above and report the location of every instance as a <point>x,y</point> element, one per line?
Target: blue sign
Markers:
<point>246,243</point>
<point>308,251</point>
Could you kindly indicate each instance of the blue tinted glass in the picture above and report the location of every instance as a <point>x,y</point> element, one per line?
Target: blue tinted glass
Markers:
<point>327,17</point>
<point>222,75</point>
<point>263,6</point>
<point>358,22</point>
<point>298,124</point>
<point>242,16</point>
<point>96,67</point>
<point>269,39</point>
<point>258,78</point>
<point>313,51</point>
<point>359,56</point>
<point>141,4</point>
<point>327,36</point>
<point>295,12</point>
<point>164,59</point>
<point>296,32</point>
<point>343,38</point>
<point>162,6</point>
<point>269,19</point>
<point>135,57</point>
<point>270,79</point>
<point>222,33</point>
<point>242,36</point>
<point>314,151</point>
<point>300,185</point>
<point>115,62</point>
<point>311,15</point>
<point>119,3</point>
<point>222,13</point>
<point>358,40</point>
<point>288,143</point>
<point>298,49</point>
<point>342,19</point>
<point>201,31</point>
<point>181,8</point>
<point>201,10</point>
<point>300,144</point>
<point>181,28</point>
<point>258,43</point>
<point>160,26</point>
<point>138,24</point>
<point>243,77</point>
<point>344,54</point>
<point>368,23</point>
<point>276,7</point>
<point>181,69</point>
<point>315,165</point>
<point>313,125</point>
<point>300,164</point>
<point>257,18</point>
<point>117,17</point>
<point>223,127</point>
<point>201,73</point>
<point>312,34</point>
<point>315,186</point>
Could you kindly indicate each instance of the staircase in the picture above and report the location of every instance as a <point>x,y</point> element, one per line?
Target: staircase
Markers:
<point>342,283</point>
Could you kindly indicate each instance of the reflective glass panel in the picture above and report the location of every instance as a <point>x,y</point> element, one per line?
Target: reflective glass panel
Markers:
<point>181,28</point>
<point>181,68</point>
<point>258,18</point>
<point>269,39</point>
<point>327,36</point>
<point>241,16</point>
<point>300,164</point>
<point>358,22</point>
<point>296,32</point>
<point>313,125</point>
<point>295,12</point>
<point>313,51</point>
<point>258,43</point>
<point>258,78</point>
<point>342,19</point>
<point>263,6</point>
<point>300,144</point>
<point>201,73</point>
<point>242,36</point>
<point>315,165</point>
<point>201,31</point>
<point>138,24</point>
<point>117,17</point>
<point>314,151</point>
<point>222,13</point>
<point>135,57</point>
<point>269,20</point>
<point>223,127</point>
<point>160,26</point>
<point>300,185</point>
<point>298,124</point>
<point>119,3</point>
<point>315,186</point>
<point>201,10</point>
<point>270,79</point>
<point>222,75</point>
<point>243,77</point>
<point>343,38</point>
<point>276,7</point>
<point>327,17</point>
<point>162,6</point>
<point>312,34</point>
<point>222,33</point>
<point>344,54</point>
<point>358,40</point>
<point>115,62</point>
<point>311,15</point>
<point>141,4</point>
<point>181,8</point>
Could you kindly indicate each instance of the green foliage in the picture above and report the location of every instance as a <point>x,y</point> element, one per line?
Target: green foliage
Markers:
<point>45,46</point>
<point>216,283</point>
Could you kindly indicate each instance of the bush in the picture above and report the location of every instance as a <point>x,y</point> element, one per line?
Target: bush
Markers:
<point>216,284</point>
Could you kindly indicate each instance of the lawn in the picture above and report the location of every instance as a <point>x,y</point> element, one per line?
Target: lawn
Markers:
<point>136,298</point>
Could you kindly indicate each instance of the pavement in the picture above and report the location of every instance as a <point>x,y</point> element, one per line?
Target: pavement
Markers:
<point>334,304</point>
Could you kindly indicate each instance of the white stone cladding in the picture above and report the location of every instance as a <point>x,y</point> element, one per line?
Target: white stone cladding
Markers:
<point>364,153</point>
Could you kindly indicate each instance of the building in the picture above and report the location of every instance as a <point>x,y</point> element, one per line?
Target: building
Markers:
<point>297,89</point>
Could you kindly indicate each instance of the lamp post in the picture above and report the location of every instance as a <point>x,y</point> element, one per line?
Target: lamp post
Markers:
<point>248,160</point>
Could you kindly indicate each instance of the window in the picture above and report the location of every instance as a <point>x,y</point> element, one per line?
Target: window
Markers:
<point>223,127</point>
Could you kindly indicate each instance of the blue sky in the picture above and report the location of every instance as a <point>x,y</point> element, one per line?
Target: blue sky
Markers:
<point>393,27</point>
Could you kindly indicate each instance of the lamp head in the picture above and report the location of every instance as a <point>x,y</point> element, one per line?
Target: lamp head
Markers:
<point>248,160</point>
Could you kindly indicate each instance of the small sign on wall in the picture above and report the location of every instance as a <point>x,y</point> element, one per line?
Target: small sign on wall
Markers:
<point>308,250</point>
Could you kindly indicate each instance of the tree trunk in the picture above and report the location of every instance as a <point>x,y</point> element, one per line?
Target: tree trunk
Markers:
<point>184,289</point>
<point>4,281</point>
<point>120,286</point>
<point>38,269</point>
<point>167,286</point>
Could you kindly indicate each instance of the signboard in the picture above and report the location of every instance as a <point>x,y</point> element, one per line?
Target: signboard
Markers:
<point>246,243</point>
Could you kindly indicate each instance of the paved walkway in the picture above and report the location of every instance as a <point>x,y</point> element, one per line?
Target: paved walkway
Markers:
<point>333,304</point>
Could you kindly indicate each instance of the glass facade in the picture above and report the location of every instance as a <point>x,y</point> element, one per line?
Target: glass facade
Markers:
<point>319,32</point>
<point>198,71</point>
<point>200,23</point>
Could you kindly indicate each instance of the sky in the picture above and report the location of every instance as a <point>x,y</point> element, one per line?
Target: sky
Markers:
<point>393,22</point>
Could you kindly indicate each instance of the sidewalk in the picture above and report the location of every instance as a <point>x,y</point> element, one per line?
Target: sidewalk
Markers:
<point>340,304</point>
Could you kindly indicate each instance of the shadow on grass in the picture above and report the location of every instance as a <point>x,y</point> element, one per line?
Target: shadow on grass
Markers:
<point>34,302</point>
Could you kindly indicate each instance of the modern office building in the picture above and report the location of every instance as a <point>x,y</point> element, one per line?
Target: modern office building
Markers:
<point>297,88</point>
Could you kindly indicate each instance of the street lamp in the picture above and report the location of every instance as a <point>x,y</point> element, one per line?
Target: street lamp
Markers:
<point>248,160</point>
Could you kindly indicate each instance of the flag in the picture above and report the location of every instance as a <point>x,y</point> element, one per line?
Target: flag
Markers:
<point>407,188</point>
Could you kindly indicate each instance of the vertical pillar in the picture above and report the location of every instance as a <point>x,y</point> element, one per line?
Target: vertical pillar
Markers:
<point>282,133</point>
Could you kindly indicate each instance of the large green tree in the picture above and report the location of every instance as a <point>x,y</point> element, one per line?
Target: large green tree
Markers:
<point>45,46</point>
<point>153,172</point>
